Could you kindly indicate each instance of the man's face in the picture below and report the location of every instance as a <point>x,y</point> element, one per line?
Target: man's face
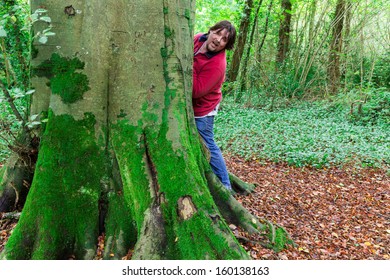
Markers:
<point>217,40</point>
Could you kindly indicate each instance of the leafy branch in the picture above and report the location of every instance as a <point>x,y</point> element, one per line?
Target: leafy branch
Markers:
<point>15,55</point>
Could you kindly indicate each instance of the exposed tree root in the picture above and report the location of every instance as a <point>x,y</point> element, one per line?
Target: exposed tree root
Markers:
<point>14,184</point>
<point>240,186</point>
<point>236,214</point>
<point>11,216</point>
<point>152,243</point>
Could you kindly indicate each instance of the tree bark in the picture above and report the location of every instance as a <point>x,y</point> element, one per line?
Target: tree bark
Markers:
<point>284,32</point>
<point>241,40</point>
<point>121,143</point>
<point>15,180</point>
<point>336,47</point>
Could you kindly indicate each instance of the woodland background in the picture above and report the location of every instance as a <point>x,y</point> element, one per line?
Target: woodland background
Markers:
<point>306,115</point>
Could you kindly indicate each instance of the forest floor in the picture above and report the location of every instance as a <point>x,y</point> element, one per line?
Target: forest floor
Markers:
<point>331,214</point>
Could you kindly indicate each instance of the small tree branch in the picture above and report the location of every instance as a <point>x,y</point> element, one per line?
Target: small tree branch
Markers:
<point>12,105</point>
<point>11,216</point>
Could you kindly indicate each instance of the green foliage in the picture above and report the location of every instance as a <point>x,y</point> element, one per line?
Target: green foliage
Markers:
<point>15,56</point>
<point>305,70</point>
<point>14,67</point>
<point>210,12</point>
<point>15,38</point>
<point>381,71</point>
<point>372,109</point>
<point>316,134</point>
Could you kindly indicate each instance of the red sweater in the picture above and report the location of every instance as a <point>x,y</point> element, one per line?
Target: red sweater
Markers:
<point>208,75</point>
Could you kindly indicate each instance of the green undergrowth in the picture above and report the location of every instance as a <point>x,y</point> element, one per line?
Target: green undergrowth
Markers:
<point>318,134</point>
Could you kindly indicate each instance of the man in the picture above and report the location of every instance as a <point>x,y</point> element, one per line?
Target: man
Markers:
<point>208,75</point>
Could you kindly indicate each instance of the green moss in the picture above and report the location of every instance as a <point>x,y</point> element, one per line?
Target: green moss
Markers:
<point>65,80</point>
<point>60,216</point>
<point>70,86</point>
<point>187,14</point>
<point>164,52</point>
<point>122,114</point>
<point>168,32</point>
<point>119,228</point>
<point>281,239</point>
<point>178,174</point>
<point>164,55</point>
<point>128,144</point>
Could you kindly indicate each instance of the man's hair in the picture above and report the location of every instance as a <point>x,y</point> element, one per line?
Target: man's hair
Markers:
<point>224,24</point>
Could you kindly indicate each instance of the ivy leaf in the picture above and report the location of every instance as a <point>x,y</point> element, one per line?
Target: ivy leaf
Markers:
<point>34,17</point>
<point>40,11</point>
<point>34,117</point>
<point>45,18</point>
<point>3,33</point>
<point>42,40</point>
<point>30,92</point>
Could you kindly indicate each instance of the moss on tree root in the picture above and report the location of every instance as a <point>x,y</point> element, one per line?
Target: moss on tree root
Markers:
<point>155,178</point>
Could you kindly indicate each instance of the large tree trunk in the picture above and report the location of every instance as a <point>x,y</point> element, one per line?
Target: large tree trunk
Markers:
<point>336,45</point>
<point>120,153</point>
<point>241,40</point>
<point>284,32</point>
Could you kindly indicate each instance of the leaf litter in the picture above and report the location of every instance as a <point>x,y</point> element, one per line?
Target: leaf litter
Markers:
<point>331,214</point>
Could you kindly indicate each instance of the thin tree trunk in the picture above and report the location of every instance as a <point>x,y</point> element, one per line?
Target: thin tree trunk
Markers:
<point>346,45</point>
<point>310,43</point>
<point>284,32</point>
<point>262,41</point>
<point>243,79</point>
<point>336,47</point>
<point>241,40</point>
<point>316,52</point>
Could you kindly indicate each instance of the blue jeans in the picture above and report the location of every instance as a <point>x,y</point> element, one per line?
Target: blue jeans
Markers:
<point>205,127</point>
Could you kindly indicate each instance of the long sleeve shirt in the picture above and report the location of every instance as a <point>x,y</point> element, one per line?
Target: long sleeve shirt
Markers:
<point>208,75</point>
